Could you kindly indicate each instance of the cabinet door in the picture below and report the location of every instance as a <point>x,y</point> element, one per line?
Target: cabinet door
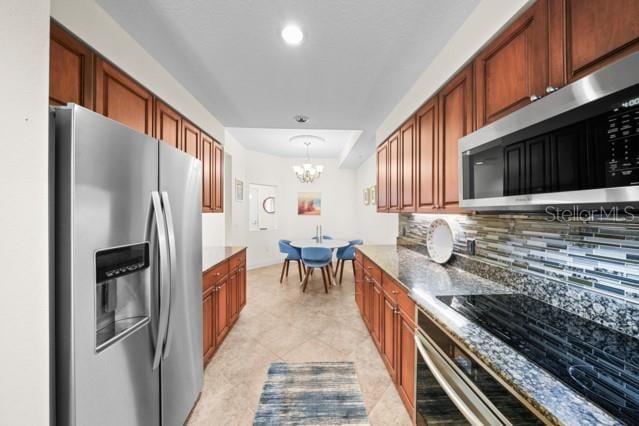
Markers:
<point>222,312</point>
<point>377,318</point>
<point>389,344</point>
<point>207,173</point>
<point>70,69</point>
<point>359,286</point>
<point>393,172</point>
<point>455,121</point>
<point>218,170</point>
<point>382,177</point>
<point>242,282</point>
<point>191,136</point>
<point>234,296</point>
<point>120,98</point>
<point>208,326</point>
<point>513,67</point>
<point>405,375</point>
<point>598,32</point>
<point>426,167</point>
<point>368,301</point>
<point>168,125</point>
<point>407,166</point>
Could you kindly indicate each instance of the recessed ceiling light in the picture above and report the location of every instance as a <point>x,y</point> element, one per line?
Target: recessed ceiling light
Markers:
<point>301,119</point>
<point>292,34</point>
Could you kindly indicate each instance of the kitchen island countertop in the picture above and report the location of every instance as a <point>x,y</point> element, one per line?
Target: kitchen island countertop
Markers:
<point>213,255</point>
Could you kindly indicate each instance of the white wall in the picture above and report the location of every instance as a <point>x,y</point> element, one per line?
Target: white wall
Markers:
<point>483,24</point>
<point>24,246</point>
<point>338,204</point>
<point>87,20</point>
<point>237,210</point>
<point>375,228</point>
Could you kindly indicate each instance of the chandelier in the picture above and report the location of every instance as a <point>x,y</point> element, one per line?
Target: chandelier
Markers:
<point>307,172</point>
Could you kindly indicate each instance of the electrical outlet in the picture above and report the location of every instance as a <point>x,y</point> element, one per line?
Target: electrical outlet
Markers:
<point>470,247</point>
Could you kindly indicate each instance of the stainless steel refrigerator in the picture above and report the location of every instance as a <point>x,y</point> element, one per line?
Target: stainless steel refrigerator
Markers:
<point>128,268</point>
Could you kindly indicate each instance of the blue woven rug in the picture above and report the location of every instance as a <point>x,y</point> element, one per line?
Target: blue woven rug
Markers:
<point>318,393</point>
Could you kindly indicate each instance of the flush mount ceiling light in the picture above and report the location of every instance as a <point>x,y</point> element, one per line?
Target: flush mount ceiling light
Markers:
<point>307,172</point>
<point>292,35</point>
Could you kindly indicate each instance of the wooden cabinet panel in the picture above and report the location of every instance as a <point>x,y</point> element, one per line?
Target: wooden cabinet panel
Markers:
<point>407,167</point>
<point>389,344</point>
<point>207,173</point>
<point>168,125</point>
<point>377,302</point>
<point>120,98</point>
<point>359,286</point>
<point>242,284</point>
<point>426,167</point>
<point>406,363</point>
<point>382,177</point>
<point>218,170</point>
<point>455,121</point>
<point>598,32</point>
<point>368,300</point>
<point>222,312</point>
<point>514,66</point>
<point>234,296</point>
<point>393,172</point>
<point>70,69</point>
<point>208,325</point>
<point>191,136</point>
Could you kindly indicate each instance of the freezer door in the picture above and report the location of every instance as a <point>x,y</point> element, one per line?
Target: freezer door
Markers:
<point>105,175</point>
<point>182,364</point>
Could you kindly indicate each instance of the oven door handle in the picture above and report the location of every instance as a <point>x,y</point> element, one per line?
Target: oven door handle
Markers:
<point>464,398</point>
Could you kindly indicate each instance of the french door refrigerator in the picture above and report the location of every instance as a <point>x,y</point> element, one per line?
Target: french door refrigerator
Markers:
<point>128,268</point>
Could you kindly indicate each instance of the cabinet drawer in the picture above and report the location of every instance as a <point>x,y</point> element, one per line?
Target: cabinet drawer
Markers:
<point>238,260</point>
<point>373,270</point>
<point>391,288</point>
<point>359,257</point>
<point>215,274</point>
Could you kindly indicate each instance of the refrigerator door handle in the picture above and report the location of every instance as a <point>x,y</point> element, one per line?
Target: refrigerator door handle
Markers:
<point>173,256</point>
<point>164,276</point>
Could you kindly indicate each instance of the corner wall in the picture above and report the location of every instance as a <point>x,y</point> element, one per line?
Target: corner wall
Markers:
<point>24,246</point>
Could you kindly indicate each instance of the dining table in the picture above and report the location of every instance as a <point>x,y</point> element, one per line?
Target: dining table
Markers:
<point>326,243</point>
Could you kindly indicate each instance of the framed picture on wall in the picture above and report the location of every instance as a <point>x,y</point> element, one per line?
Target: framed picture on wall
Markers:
<point>366,195</point>
<point>372,195</point>
<point>309,203</point>
<point>239,190</point>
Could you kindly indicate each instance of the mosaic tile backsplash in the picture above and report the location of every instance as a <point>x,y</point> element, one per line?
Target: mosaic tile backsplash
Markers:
<point>589,267</point>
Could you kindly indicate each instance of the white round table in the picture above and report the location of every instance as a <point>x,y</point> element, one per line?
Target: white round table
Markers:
<point>330,244</point>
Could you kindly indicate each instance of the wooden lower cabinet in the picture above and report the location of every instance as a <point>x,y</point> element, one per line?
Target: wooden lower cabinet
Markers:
<point>389,315</point>
<point>223,298</point>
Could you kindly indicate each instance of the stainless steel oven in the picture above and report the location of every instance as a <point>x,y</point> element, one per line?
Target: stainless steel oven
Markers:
<point>453,388</point>
<point>576,146</point>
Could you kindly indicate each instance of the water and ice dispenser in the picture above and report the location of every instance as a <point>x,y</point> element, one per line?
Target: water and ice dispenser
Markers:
<point>122,292</point>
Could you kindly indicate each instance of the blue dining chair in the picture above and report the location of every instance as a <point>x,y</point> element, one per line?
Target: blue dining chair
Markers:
<point>292,254</point>
<point>344,254</point>
<point>317,257</point>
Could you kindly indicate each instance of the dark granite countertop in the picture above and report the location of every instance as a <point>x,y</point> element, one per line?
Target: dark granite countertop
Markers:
<point>425,280</point>
<point>211,256</point>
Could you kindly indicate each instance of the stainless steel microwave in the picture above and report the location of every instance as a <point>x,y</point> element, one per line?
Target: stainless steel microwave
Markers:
<point>576,146</point>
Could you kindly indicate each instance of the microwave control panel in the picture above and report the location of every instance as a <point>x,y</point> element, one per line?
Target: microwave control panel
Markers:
<point>623,146</point>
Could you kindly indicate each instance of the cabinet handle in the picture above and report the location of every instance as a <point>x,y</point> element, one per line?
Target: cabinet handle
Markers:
<point>551,89</point>
<point>534,98</point>
<point>217,274</point>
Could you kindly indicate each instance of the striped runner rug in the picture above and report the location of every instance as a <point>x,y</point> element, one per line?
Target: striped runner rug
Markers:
<point>311,393</point>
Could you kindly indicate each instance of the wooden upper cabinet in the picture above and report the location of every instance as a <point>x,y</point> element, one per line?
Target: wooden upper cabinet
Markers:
<point>426,164</point>
<point>455,121</point>
<point>218,178</point>
<point>407,166</point>
<point>207,173</point>
<point>70,69</point>
<point>120,98</point>
<point>393,172</point>
<point>382,177</point>
<point>597,32</point>
<point>514,66</point>
<point>168,124</point>
<point>191,139</point>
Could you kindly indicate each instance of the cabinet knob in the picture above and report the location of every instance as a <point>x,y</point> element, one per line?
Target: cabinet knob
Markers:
<point>551,89</point>
<point>217,274</point>
<point>534,98</point>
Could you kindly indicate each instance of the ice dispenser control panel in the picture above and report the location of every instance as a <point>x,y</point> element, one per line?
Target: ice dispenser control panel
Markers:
<point>117,262</point>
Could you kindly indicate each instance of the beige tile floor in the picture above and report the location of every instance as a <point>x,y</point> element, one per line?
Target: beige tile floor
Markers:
<point>280,323</point>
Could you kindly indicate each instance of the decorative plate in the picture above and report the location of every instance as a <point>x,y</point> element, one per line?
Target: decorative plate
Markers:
<point>439,241</point>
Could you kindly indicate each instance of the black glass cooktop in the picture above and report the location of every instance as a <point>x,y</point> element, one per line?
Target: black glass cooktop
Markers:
<point>597,362</point>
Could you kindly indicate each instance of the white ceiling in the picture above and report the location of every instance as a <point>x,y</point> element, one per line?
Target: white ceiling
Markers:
<point>357,60</point>
<point>277,141</point>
